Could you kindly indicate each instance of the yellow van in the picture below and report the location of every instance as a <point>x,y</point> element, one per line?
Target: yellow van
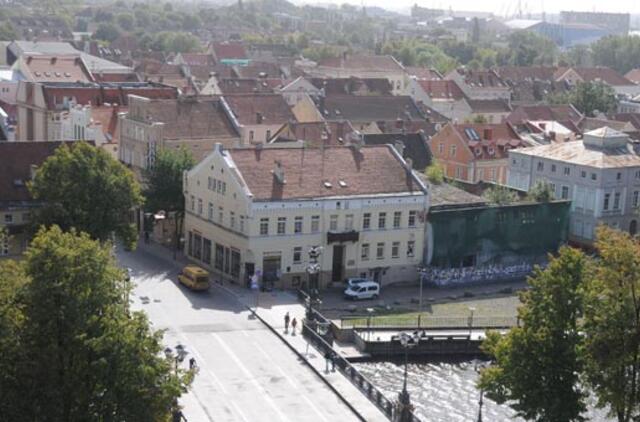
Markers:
<point>194,277</point>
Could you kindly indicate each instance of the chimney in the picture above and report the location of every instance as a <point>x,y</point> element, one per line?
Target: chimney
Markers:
<point>259,118</point>
<point>53,60</point>
<point>399,146</point>
<point>488,134</point>
<point>278,172</point>
<point>399,123</point>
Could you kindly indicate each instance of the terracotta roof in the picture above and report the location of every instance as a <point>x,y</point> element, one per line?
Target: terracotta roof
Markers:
<point>247,86</point>
<point>489,106</point>
<point>316,134</point>
<point>633,75</point>
<point>229,51</point>
<point>424,73</point>
<point>363,62</point>
<point>369,108</point>
<point>442,90</point>
<point>109,120</point>
<point>355,86</point>
<point>116,77</point>
<point>482,78</point>
<point>198,59</point>
<point>591,74</point>
<point>15,171</point>
<point>400,126</point>
<point>191,118</point>
<point>271,109</point>
<point>370,171</point>
<point>526,73</point>
<point>55,68</point>
<point>484,138</point>
<point>415,146</point>
<point>259,70</point>
<point>560,113</point>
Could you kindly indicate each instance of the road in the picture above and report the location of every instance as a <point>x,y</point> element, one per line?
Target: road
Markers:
<point>246,373</point>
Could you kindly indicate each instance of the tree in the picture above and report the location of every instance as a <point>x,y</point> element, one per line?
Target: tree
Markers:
<point>126,21</point>
<point>164,186</point>
<point>83,355</point>
<point>537,365</point>
<point>107,32</point>
<point>542,191</point>
<point>500,195</point>
<point>612,325</point>
<point>588,98</point>
<point>528,48</point>
<point>435,173</point>
<point>7,32</point>
<point>621,53</point>
<point>81,186</point>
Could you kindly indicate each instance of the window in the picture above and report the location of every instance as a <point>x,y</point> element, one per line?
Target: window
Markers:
<point>553,168</point>
<point>268,135</point>
<point>333,223</point>
<point>197,246</point>
<point>458,172</point>
<point>452,152</point>
<point>412,218</point>
<point>605,206</point>
<point>395,249</point>
<point>348,222</point>
<point>315,224</point>
<point>4,246</point>
<point>297,254</point>
<point>567,171</point>
<point>637,174</point>
<point>210,211</point>
<point>552,186</point>
<point>297,225</point>
<point>193,203</point>
<point>264,226</point>
<point>251,136</point>
<point>235,263</point>
<point>232,220</point>
<point>219,258</point>
<point>616,201</point>
<point>242,224</point>
<point>618,176</point>
<point>282,225</point>
<point>220,215</point>
<point>199,206</point>
<point>397,216</point>
<point>583,174</point>
<point>380,251</point>
<point>411,246</point>
<point>366,221</point>
<point>635,198</point>
<point>593,176</point>
<point>540,166</point>
<point>364,254</point>
<point>441,148</point>
<point>493,174</point>
<point>206,251</point>
<point>382,220</point>
<point>8,218</point>
<point>565,192</point>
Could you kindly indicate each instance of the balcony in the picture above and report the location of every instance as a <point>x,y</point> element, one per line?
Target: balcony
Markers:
<point>339,237</point>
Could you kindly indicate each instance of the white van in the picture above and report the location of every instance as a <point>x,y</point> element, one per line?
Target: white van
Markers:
<point>364,290</point>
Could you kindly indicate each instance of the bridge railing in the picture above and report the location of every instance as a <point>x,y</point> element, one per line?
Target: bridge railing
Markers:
<point>371,322</point>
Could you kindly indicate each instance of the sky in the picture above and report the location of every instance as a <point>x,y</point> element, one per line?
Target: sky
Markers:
<point>504,7</point>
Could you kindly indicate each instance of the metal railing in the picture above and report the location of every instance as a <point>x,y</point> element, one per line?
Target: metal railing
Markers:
<point>369,322</point>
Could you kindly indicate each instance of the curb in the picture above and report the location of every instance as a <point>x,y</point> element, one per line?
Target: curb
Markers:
<point>298,353</point>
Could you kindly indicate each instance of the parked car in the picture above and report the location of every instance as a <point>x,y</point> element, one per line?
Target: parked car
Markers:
<point>357,281</point>
<point>364,290</point>
<point>194,277</point>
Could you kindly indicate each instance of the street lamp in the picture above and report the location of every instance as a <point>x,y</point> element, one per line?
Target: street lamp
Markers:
<point>404,408</point>
<point>471,312</point>
<point>313,269</point>
<point>422,271</point>
<point>478,368</point>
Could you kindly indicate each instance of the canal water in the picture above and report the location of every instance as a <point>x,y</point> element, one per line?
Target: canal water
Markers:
<point>446,392</point>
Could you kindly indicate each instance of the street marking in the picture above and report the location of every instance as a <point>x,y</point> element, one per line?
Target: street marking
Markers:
<point>313,406</point>
<point>237,409</point>
<point>250,377</point>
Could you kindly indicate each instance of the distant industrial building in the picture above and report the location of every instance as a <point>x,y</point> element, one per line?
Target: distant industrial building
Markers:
<point>565,35</point>
<point>616,23</point>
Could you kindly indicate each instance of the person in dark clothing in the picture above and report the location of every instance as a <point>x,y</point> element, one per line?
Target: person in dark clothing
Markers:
<point>286,322</point>
<point>192,363</point>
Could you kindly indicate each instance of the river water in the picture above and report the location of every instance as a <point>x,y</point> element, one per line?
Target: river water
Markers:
<point>446,392</point>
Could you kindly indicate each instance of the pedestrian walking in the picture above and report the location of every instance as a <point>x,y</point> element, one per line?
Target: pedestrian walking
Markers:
<point>334,358</point>
<point>294,323</point>
<point>287,318</point>
<point>327,359</point>
<point>177,416</point>
<point>192,363</point>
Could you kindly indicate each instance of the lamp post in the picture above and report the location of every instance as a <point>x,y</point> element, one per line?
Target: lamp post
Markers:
<point>422,271</point>
<point>313,269</point>
<point>404,407</point>
<point>179,356</point>
<point>478,368</point>
<point>471,312</point>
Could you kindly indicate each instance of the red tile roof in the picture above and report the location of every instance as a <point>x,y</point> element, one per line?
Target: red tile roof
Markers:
<point>633,75</point>
<point>116,77</point>
<point>442,90</point>
<point>96,95</point>
<point>370,171</point>
<point>272,108</point>
<point>353,86</point>
<point>558,113</point>
<point>55,68</point>
<point>109,120</point>
<point>247,86</point>
<point>526,73</point>
<point>316,133</point>
<point>363,62</point>
<point>484,138</point>
<point>424,73</point>
<point>198,59</point>
<point>229,51</point>
<point>592,74</point>
<point>482,78</point>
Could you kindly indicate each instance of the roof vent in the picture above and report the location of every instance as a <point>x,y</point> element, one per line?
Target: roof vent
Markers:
<point>342,183</point>
<point>278,172</point>
<point>67,74</point>
<point>327,185</point>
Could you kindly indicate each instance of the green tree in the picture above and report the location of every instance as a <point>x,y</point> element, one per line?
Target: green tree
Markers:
<point>126,21</point>
<point>107,32</point>
<point>588,98</point>
<point>537,365</point>
<point>435,173</point>
<point>621,53</point>
<point>7,32</point>
<point>83,355</point>
<point>542,191</point>
<point>81,186</point>
<point>612,325</point>
<point>164,186</point>
<point>528,48</point>
<point>500,195</point>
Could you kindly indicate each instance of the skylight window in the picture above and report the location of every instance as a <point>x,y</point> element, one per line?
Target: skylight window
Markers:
<point>328,185</point>
<point>342,183</point>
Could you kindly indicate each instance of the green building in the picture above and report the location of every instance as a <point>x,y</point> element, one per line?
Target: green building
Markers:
<point>464,230</point>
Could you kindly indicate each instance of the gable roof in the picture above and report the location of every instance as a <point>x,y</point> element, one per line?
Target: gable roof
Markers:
<point>348,86</point>
<point>372,170</point>
<point>247,85</point>
<point>481,78</point>
<point>489,106</point>
<point>258,70</point>
<point>316,134</point>
<point>197,59</point>
<point>482,139</point>
<point>368,62</point>
<point>593,74</point>
<point>560,113</point>
<point>526,73</point>
<point>633,75</point>
<point>442,89</point>
<point>229,51</point>
<point>415,147</point>
<point>424,73</point>
<point>369,108</point>
<point>271,109</point>
<point>109,120</point>
<point>54,68</point>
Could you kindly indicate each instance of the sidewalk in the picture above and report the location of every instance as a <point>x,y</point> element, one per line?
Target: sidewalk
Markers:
<point>272,307</point>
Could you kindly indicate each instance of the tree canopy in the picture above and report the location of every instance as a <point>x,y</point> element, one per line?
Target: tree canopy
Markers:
<point>588,98</point>
<point>83,187</point>
<point>76,352</point>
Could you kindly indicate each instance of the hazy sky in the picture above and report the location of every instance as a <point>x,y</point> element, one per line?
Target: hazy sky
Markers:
<point>506,7</point>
